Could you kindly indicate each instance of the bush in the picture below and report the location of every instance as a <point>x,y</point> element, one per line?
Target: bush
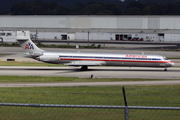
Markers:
<point>99,46</point>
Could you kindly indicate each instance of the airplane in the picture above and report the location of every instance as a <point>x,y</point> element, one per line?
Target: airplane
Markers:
<point>93,59</point>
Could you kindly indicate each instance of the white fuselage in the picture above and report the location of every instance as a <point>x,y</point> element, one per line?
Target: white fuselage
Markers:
<point>109,59</point>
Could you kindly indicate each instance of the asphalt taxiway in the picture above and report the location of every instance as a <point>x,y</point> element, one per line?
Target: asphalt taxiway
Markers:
<point>97,72</point>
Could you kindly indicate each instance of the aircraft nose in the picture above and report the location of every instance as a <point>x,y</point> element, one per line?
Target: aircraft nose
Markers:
<point>171,63</point>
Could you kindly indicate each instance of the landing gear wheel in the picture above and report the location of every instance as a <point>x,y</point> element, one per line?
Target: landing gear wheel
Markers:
<point>84,68</point>
<point>165,69</point>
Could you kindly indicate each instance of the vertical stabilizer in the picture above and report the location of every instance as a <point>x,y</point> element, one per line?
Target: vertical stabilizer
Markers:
<point>29,46</point>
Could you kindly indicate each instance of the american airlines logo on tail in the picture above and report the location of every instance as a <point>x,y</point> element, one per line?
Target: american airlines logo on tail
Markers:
<point>29,46</point>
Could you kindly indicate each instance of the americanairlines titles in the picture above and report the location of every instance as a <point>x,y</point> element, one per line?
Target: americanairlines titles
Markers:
<point>136,56</point>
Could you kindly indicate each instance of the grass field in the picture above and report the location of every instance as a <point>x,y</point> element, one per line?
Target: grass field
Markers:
<point>108,95</point>
<point>167,95</point>
<point>45,79</point>
<point>42,92</point>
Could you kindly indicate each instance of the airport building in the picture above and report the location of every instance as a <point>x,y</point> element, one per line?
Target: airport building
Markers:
<point>9,36</point>
<point>152,28</point>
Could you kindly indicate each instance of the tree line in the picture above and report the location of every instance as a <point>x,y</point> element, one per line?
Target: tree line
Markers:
<point>40,7</point>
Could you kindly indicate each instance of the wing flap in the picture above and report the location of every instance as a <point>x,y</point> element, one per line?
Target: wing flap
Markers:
<point>86,63</point>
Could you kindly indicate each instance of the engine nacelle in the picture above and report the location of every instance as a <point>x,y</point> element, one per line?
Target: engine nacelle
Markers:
<point>48,58</point>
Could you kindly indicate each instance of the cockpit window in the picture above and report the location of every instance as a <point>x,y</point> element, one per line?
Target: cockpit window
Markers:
<point>165,58</point>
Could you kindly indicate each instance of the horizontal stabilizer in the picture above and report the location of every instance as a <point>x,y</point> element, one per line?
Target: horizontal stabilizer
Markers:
<point>22,38</point>
<point>86,63</point>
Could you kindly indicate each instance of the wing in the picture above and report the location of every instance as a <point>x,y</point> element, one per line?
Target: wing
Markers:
<point>86,63</point>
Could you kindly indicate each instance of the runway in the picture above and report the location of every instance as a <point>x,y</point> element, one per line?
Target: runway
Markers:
<point>97,72</point>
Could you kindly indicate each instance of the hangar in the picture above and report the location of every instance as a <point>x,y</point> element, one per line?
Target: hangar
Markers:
<point>154,28</point>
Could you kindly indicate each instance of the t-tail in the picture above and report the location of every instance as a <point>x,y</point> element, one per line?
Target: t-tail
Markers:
<point>29,46</point>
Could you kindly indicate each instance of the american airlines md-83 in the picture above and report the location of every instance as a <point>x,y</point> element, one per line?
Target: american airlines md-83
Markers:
<point>93,59</point>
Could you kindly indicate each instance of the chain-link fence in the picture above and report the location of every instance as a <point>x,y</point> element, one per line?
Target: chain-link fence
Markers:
<point>90,103</point>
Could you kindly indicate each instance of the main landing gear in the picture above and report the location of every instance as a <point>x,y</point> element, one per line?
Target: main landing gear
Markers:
<point>84,68</point>
<point>165,69</point>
